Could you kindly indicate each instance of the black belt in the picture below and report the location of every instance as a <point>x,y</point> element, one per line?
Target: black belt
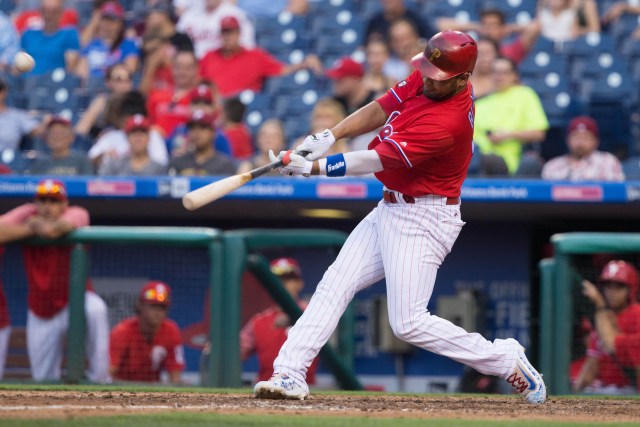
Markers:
<point>390,197</point>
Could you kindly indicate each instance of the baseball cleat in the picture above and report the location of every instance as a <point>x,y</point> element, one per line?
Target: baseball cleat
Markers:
<point>527,381</point>
<point>281,386</point>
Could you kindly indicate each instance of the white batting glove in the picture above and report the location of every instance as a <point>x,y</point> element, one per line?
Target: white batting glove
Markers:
<point>293,164</point>
<point>317,144</point>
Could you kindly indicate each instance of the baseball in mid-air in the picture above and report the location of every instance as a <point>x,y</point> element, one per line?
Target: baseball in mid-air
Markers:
<point>23,62</point>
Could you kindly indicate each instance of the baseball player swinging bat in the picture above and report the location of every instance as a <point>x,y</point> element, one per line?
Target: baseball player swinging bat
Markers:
<point>210,193</point>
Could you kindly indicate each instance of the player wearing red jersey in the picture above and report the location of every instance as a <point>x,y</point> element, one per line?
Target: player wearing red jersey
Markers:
<point>144,345</point>
<point>421,156</point>
<point>266,331</point>
<point>613,355</point>
<point>47,267</point>
<point>5,325</point>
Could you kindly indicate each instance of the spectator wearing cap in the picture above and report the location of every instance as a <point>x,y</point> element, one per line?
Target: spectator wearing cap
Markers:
<point>16,124</point>
<point>266,331</point>
<point>137,162</point>
<point>114,143</point>
<point>160,41</point>
<point>104,43</point>
<point>62,160</point>
<point>234,68</point>
<point>143,346</point>
<point>168,107</point>
<point>47,270</point>
<point>583,162</point>
<point>202,158</point>
<point>201,99</point>
<point>52,46</point>
<point>271,8</point>
<point>349,88</point>
<point>613,353</point>
<point>203,25</point>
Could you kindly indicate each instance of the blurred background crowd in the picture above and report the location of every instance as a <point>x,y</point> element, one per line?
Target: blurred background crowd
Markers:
<point>207,87</point>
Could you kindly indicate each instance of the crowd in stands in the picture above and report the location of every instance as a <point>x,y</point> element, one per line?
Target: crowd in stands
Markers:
<point>207,87</point>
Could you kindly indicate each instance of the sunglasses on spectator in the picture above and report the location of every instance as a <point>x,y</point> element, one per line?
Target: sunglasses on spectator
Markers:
<point>48,200</point>
<point>120,76</point>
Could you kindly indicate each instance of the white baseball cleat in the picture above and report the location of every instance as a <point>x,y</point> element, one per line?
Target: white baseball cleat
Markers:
<point>527,381</point>
<point>281,386</point>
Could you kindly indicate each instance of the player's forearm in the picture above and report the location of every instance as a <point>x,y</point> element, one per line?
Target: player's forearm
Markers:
<point>10,233</point>
<point>355,163</point>
<point>588,374</point>
<point>607,328</point>
<point>529,136</point>
<point>364,120</point>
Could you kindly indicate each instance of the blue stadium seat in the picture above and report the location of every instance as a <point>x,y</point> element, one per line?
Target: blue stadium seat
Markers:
<point>266,25</point>
<point>293,84</point>
<point>540,63</point>
<point>342,43</point>
<point>631,168</point>
<point>7,6</point>
<point>589,44</point>
<point>595,66</point>
<point>520,11</point>
<point>284,41</point>
<point>340,20</point>
<point>61,101</point>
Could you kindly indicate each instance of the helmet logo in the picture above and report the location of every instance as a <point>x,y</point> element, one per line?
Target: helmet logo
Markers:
<point>435,54</point>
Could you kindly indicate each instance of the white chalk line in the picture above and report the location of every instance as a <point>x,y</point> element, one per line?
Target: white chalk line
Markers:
<point>148,407</point>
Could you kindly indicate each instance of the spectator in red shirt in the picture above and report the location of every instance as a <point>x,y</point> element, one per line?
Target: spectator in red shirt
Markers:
<point>238,134</point>
<point>47,268</point>
<point>613,356</point>
<point>144,345</point>
<point>169,107</point>
<point>234,68</point>
<point>266,331</point>
<point>32,20</point>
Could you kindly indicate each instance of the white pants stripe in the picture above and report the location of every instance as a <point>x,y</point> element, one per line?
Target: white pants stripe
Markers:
<point>46,337</point>
<point>406,244</point>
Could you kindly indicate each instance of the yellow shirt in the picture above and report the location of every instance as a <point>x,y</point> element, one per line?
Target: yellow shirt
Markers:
<point>515,109</point>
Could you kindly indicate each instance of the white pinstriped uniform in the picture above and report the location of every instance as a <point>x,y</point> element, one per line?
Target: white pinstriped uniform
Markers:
<point>5,334</point>
<point>406,243</point>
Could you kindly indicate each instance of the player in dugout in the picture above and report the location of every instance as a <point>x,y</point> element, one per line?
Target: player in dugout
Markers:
<point>142,346</point>
<point>421,155</point>
<point>47,266</point>
<point>265,332</point>
<point>613,354</point>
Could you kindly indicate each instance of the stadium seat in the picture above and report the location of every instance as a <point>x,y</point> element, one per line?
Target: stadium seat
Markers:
<point>7,6</point>
<point>631,168</point>
<point>296,83</point>
<point>343,43</point>
<point>589,44</point>
<point>539,63</point>
<point>519,11</point>
<point>285,20</point>
<point>595,66</point>
<point>284,41</point>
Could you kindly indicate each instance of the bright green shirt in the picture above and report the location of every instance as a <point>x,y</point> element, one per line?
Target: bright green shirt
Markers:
<point>515,109</point>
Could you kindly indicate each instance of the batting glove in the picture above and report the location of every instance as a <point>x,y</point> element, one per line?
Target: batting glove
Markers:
<point>317,144</point>
<point>292,164</point>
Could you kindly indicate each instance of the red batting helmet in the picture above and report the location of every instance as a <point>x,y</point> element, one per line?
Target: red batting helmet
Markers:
<point>621,272</point>
<point>448,54</point>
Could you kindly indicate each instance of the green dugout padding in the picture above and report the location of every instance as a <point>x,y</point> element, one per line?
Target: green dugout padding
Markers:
<point>556,302</point>
<point>208,238</point>
<point>238,245</point>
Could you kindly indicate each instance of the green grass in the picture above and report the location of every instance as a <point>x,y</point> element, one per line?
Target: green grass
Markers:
<point>217,420</point>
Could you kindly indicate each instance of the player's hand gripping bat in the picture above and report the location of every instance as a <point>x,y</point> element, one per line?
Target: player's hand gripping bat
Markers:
<point>211,192</point>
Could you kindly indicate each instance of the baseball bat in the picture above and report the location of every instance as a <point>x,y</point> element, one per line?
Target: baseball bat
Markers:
<point>211,192</point>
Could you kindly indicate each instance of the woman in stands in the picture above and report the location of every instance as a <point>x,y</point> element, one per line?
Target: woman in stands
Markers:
<point>270,136</point>
<point>104,43</point>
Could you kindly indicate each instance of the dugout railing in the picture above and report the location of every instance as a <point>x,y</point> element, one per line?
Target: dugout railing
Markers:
<point>560,280</point>
<point>229,254</point>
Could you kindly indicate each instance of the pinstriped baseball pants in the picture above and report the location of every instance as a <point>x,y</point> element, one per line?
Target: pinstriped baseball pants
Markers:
<point>405,244</point>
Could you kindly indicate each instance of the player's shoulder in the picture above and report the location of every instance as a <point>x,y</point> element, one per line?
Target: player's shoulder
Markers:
<point>170,325</point>
<point>126,325</point>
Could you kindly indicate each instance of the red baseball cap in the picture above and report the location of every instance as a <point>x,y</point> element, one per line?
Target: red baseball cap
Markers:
<point>112,9</point>
<point>156,292</point>
<point>285,267</point>
<point>199,117</point>
<point>345,67</point>
<point>137,122</point>
<point>58,120</point>
<point>202,93</point>
<point>229,23</point>
<point>51,188</point>
<point>584,123</point>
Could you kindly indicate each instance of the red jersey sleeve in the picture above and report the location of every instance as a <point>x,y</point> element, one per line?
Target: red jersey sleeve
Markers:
<point>412,146</point>
<point>268,64</point>
<point>76,216</point>
<point>175,351</point>
<point>402,91</point>
<point>247,339</point>
<point>19,215</point>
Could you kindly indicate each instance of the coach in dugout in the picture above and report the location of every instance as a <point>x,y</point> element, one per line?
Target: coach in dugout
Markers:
<point>142,346</point>
<point>613,355</point>
<point>47,268</point>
